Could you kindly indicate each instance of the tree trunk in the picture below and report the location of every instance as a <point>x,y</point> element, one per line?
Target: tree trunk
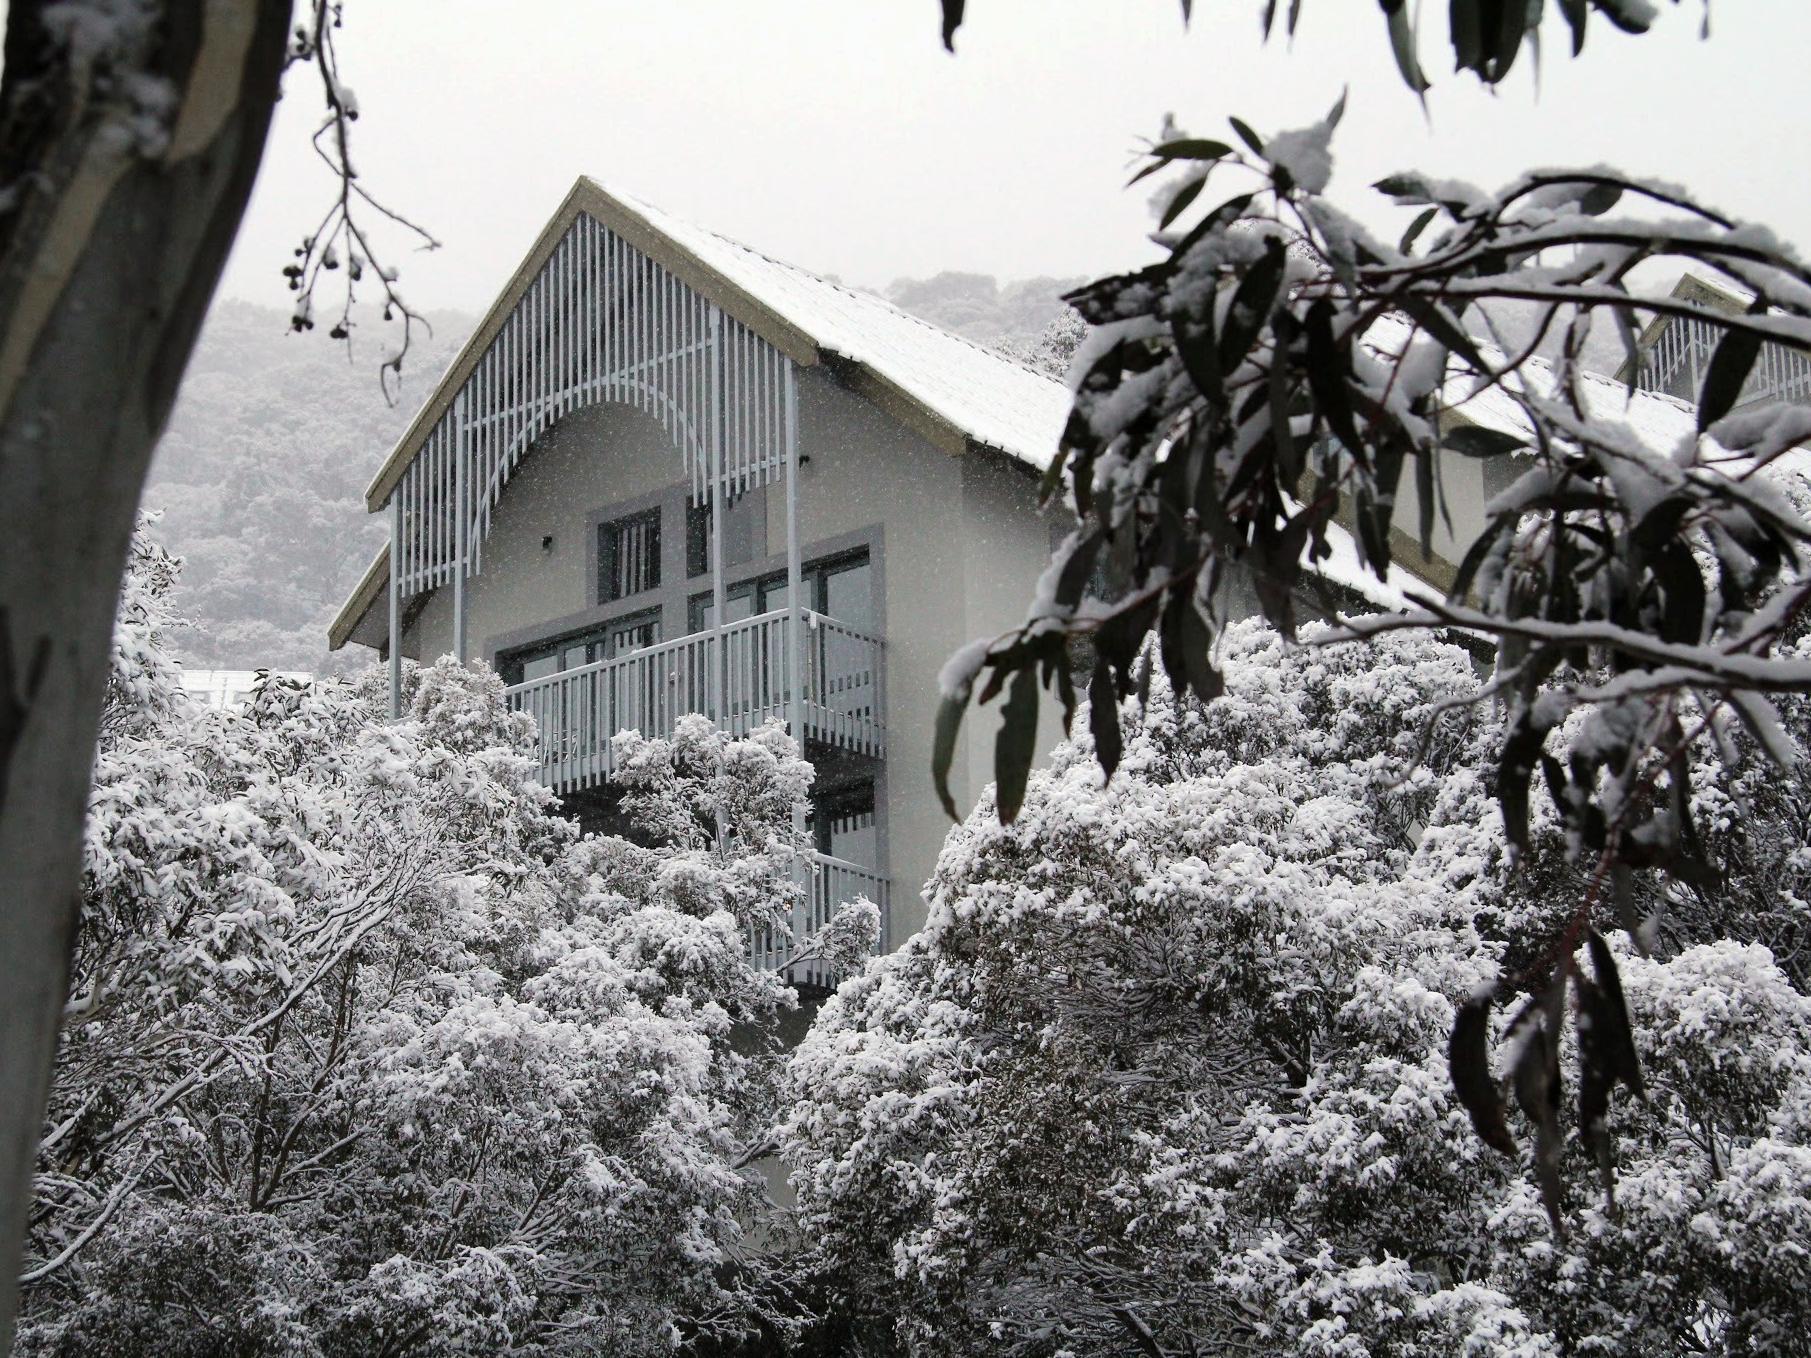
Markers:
<point>128,147</point>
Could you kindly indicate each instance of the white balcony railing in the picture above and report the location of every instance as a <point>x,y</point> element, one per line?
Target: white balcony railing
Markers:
<point>834,882</point>
<point>579,711</point>
<point>1682,353</point>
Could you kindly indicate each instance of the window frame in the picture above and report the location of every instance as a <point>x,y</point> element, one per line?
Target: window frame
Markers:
<point>510,663</point>
<point>814,575</point>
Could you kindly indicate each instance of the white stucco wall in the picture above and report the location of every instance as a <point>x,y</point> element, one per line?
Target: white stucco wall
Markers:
<point>1006,546</point>
<point>960,547</point>
<point>595,457</point>
<point>1465,485</point>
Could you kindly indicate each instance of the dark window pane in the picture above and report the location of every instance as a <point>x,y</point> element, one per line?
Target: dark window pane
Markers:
<point>697,539</point>
<point>628,556</point>
<point>744,532</point>
<point>631,635</point>
<point>842,823</point>
<point>702,613</point>
<point>849,594</point>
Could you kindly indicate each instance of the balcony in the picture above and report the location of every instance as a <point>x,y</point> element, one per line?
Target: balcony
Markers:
<point>578,712</point>
<point>750,682</point>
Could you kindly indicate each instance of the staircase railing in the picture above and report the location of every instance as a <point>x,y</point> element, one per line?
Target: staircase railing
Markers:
<point>834,883</point>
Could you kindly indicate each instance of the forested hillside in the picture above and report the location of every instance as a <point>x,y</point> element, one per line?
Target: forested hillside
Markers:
<point>979,308</point>
<point>260,480</point>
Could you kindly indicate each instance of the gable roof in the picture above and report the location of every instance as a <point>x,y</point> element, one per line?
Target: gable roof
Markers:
<point>954,392</point>
<point>990,399</point>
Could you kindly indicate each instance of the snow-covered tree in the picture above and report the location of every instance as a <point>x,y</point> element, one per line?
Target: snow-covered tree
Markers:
<point>1054,348</point>
<point>368,1053</point>
<point>1166,1072</point>
<point>1284,370</point>
<point>133,133</point>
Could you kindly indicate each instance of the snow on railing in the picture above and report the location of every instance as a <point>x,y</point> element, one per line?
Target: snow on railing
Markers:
<point>578,712</point>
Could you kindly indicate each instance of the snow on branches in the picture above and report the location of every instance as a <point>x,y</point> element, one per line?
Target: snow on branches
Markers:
<point>366,1051</point>
<point>343,240</point>
<point>1166,1071</point>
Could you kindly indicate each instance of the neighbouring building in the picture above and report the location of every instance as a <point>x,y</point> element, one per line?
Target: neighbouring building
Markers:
<point>668,474</point>
<point>1673,352</point>
<point>226,689</point>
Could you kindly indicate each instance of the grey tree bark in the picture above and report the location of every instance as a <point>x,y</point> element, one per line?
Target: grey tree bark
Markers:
<point>129,140</point>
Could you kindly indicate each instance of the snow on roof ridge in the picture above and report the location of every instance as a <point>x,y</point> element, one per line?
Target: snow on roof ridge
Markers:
<point>1489,347</point>
<point>642,205</point>
<point>1736,292</point>
<point>968,392</point>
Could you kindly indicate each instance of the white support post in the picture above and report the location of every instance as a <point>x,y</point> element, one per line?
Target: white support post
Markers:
<point>720,665</point>
<point>795,634</point>
<point>395,656</point>
<point>461,522</point>
<point>795,631</point>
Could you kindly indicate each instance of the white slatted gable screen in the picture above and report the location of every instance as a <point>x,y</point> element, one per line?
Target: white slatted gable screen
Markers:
<point>600,321</point>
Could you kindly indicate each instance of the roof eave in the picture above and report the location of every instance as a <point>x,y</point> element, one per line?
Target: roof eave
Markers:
<point>363,598</point>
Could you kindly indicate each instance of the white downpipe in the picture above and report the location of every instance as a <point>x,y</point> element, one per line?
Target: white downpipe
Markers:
<point>395,605</point>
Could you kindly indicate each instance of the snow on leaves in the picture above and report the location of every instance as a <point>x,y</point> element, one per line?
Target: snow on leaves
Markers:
<point>1277,380</point>
<point>1167,1072</point>
<point>366,1051</point>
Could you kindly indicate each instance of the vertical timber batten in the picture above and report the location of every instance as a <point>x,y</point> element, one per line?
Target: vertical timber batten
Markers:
<point>720,665</point>
<point>795,632</point>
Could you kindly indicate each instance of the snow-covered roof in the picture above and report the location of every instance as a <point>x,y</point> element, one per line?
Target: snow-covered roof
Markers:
<point>992,399</point>
<point>1663,424</point>
<point>953,390</point>
<point>1344,565</point>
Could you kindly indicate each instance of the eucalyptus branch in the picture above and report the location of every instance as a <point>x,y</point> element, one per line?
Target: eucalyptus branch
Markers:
<point>342,240</point>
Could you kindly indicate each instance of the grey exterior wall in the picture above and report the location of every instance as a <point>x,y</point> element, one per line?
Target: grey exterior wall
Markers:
<point>956,542</point>
<point>1465,485</point>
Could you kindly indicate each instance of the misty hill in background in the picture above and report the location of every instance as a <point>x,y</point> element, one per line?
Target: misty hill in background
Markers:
<point>260,480</point>
<point>975,306</point>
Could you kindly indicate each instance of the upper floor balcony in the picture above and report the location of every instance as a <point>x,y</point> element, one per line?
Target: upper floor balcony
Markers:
<point>740,677</point>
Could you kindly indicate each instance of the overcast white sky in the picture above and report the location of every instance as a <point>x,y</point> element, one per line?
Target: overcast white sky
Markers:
<point>839,135</point>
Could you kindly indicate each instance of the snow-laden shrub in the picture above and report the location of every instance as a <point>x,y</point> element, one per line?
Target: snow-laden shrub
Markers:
<point>1166,1071</point>
<point>367,1052</point>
